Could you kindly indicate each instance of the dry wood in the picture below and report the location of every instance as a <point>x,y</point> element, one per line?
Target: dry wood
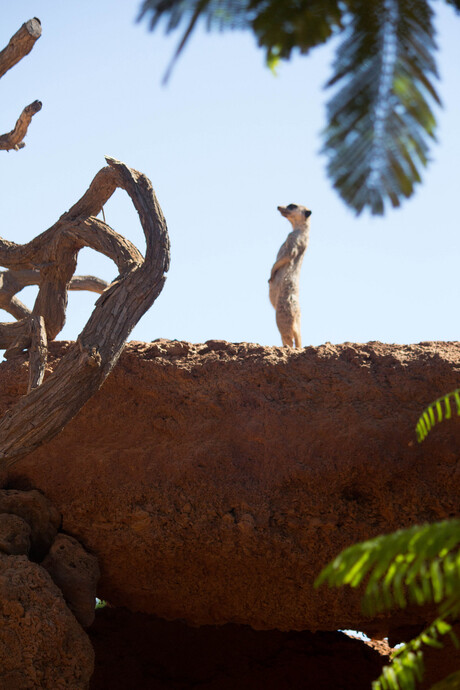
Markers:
<point>49,261</point>
<point>41,414</point>
<point>38,353</point>
<point>12,282</point>
<point>20,44</point>
<point>14,139</point>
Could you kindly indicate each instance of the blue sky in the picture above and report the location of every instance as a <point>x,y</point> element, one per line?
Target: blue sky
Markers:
<point>224,143</point>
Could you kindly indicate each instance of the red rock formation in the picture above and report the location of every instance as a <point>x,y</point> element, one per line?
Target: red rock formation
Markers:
<point>214,481</point>
<point>76,573</point>
<point>42,517</point>
<point>41,643</point>
<point>14,535</point>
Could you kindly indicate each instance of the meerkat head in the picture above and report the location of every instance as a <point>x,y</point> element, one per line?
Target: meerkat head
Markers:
<point>296,215</point>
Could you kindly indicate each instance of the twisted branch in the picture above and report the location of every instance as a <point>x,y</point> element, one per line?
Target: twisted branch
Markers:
<point>49,261</point>
<point>47,408</point>
<point>12,282</point>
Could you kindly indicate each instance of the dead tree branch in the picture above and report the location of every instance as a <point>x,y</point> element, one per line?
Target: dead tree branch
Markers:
<point>47,408</point>
<point>12,282</point>
<point>49,261</point>
<point>38,353</point>
<point>14,139</point>
<point>20,44</point>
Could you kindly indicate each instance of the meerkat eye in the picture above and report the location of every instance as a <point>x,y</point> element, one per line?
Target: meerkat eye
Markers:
<point>291,207</point>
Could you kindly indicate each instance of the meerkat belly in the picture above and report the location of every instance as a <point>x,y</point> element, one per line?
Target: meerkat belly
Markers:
<point>274,288</point>
<point>289,283</point>
<point>284,292</point>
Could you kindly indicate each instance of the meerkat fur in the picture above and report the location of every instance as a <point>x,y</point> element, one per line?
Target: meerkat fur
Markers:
<point>285,274</point>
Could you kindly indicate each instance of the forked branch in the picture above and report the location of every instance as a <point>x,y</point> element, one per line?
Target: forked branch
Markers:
<point>49,261</point>
<point>47,408</point>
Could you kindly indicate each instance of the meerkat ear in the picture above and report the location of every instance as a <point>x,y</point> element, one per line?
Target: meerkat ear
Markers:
<point>307,213</point>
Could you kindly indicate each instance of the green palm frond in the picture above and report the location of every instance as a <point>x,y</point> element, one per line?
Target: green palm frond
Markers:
<point>437,411</point>
<point>218,14</point>
<point>279,25</point>
<point>381,118</point>
<point>406,669</point>
<point>420,565</point>
<point>282,26</point>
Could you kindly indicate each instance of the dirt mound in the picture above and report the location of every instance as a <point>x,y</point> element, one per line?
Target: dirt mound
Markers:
<point>214,481</point>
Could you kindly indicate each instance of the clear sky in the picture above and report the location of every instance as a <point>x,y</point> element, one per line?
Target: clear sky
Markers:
<point>224,143</point>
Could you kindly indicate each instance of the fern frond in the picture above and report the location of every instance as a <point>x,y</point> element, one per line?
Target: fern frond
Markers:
<point>381,118</point>
<point>402,674</point>
<point>437,411</point>
<point>406,669</point>
<point>455,3</point>
<point>420,565</point>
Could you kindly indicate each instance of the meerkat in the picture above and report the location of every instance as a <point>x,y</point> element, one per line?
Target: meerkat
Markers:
<point>285,273</point>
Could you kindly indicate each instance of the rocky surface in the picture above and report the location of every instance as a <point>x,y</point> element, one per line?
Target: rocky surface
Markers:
<point>139,651</point>
<point>214,481</point>
<point>14,535</point>
<point>76,573</point>
<point>41,643</point>
<point>41,516</point>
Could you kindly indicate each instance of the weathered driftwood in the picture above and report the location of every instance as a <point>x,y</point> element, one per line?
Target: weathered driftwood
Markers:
<point>42,413</point>
<point>20,45</point>
<point>49,261</point>
<point>12,282</point>
<point>14,139</point>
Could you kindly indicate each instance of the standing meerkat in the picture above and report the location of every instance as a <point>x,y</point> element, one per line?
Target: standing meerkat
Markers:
<point>284,277</point>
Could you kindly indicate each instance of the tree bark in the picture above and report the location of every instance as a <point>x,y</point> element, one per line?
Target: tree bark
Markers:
<point>20,45</point>
<point>47,408</point>
<point>14,139</point>
<point>49,261</point>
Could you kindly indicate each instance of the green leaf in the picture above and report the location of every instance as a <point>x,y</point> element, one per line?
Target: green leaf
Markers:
<point>427,419</point>
<point>280,26</point>
<point>383,69</point>
<point>421,564</point>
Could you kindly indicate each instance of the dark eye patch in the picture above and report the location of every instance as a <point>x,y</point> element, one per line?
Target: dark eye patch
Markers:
<point>291,207</point>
